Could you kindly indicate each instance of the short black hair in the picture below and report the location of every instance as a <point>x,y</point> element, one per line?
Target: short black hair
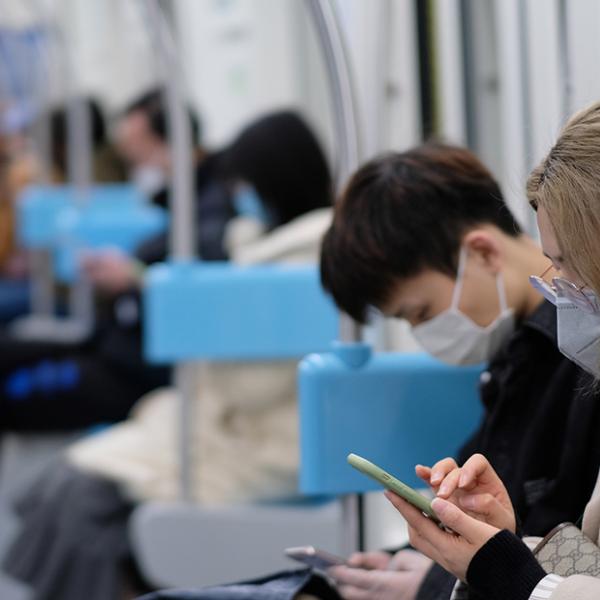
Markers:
<point>152,103</point>
<point>404,212</point>
<point>281,157</point>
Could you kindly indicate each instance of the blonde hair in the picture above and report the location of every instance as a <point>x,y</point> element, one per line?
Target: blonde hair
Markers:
<point>567,185</point>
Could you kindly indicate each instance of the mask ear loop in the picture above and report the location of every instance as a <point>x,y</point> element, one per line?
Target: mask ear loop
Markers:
<point>501,292</point>
<point>462,262</point>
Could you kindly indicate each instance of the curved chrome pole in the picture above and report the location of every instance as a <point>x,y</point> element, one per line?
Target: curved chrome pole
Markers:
<point>345,114</point>
<point>182,244</point>
<point>182,233</point>
<point>344,108</point>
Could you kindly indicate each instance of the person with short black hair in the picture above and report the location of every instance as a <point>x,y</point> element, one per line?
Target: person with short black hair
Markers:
<point>425,235</point>
<point>402,213</point>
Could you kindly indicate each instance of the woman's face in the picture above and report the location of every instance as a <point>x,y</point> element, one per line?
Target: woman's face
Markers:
<point>552,249</point>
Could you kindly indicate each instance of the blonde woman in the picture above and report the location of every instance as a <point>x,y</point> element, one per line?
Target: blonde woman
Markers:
<point>483,552</point>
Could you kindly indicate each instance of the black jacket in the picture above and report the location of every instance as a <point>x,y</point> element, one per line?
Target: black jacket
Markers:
<point>213,210</point>
<point>539,431</point>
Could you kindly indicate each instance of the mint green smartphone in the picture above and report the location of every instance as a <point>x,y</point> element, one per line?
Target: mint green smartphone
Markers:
<point>395,485</point>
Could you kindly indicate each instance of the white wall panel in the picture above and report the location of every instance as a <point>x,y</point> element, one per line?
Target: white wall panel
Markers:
<point>546,92</point>
<point>583,32</point>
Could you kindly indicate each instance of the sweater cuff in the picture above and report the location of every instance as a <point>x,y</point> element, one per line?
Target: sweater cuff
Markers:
<point>543,590</point>
<point>504,568</point>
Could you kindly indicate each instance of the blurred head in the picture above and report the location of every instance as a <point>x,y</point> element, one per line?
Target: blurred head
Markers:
<point>280,159</point>
<point>402,224</point>
<point>564,189</point>
<point>142,132</point>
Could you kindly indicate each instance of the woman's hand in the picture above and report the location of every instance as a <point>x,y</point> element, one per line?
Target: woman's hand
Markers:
<point>476,488</point>
<point>453,551</point>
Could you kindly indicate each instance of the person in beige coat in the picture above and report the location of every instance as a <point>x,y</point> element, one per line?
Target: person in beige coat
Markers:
<point>479,545</point>
<point>246,412</point>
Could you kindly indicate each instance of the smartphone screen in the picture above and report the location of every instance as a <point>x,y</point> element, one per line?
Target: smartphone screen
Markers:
<point>315,558</point>
<point>395,485</point>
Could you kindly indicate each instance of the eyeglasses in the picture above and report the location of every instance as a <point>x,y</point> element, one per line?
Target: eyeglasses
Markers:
<point>578,295</point>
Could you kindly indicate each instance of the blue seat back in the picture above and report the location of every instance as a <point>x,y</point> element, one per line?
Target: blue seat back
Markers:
<point>395,409</point>
<point>38,212</point>
<point>112,215</point>
<point>221,311</point>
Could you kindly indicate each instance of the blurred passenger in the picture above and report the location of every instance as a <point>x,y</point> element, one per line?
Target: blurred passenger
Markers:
<point>426,236</point>
<point>142,140</point>
<point>246,414</point>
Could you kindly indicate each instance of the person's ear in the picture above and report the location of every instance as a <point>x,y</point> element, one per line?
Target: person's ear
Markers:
<point>484,248</point>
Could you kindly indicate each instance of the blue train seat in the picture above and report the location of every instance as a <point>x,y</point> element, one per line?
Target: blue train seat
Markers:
<point>218,311</point>
<point>395,409</point>
<point>41,208</point>
<point>111,215</point>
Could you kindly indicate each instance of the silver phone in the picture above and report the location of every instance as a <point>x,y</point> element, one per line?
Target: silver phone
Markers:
<point>315,558</point>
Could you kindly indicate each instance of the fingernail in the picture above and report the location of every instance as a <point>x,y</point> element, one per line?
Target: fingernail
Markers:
<point>443,491</point>
<point>436,478</point>
<point>439,506</point>
<point>462,479</point>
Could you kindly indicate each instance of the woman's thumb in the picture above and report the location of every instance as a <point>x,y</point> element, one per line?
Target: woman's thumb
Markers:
<point>454,518</point>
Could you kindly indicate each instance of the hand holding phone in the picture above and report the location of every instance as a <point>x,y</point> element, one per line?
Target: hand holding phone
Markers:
<point>395,485</point>
<point>315,558</point>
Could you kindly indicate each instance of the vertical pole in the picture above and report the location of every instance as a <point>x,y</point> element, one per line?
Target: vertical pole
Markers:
<point>565,59</point>
<point>344,109</point>
<point>79,165</point>
<point>345,114</point>
<point>182,235</point>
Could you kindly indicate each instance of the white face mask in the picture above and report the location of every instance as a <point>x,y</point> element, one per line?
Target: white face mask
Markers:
<point>456,339</point>
<point>149,180</point>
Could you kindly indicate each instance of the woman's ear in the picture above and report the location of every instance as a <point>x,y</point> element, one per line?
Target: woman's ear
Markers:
<point>485,248</point>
